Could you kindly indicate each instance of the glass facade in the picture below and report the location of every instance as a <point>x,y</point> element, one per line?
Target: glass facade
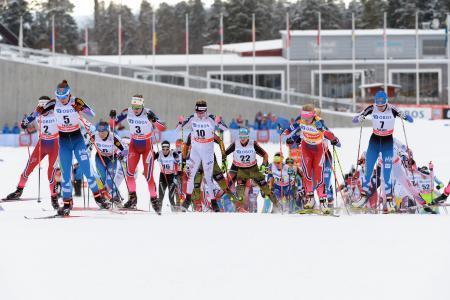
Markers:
<point>337,85</point>
<point>429,86</point>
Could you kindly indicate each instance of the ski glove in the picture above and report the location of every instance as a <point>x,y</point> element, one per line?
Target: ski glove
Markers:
<point>291,171</point>
<point>112,114</point>
<point>151,116</point>
<point>122,154</point>
<point>358,119</point>
<point>406,117</point>
<point>336,142</point>
<point>263,168</point>
<point>289,141</point>
<point>78,104</point>
<point>440,186</point>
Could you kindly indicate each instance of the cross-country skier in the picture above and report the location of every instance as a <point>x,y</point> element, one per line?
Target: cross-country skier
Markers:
<point>246,168</point>
<point>68,111</point>
<point>281,179</point>
<point>202,127</point>
<point>106,160</point>
<point>142,122</point>
<point>169,161</point>
<point>381,141</point>
<point>218,175</point>
<point>310,130</point>
<point>47,145</point>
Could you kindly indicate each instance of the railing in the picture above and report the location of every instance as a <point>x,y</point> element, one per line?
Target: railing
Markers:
<point>171,78</point>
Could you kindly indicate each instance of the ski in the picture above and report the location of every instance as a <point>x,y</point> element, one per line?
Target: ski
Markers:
<point>131,209</point>
<point>113,211</point>
<point>317,212</point>
<point>52,217</point>
<point>4,200</point>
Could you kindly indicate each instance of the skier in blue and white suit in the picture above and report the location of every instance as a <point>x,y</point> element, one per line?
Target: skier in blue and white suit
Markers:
<point>381,141</point>
<point>67,110</point>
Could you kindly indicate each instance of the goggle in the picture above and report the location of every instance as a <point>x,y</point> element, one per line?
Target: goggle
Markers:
<point>243,137</point>
<point>102,128</point>
<point>136,107</point>
<point>62,93</point>
<point>307,114</point>
<point>277,159</point>
<point>290,161</point>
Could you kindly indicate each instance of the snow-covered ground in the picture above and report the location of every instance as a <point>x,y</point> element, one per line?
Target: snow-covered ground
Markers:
<point>226,256</point>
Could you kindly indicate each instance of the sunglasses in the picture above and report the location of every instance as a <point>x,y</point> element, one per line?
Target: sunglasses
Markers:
<point>136,107</point>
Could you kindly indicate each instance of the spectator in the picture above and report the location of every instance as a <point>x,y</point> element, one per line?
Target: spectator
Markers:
<point>15,129</point>
<point>258,120</point>
<point>5,129</point>
<point>240,121</point>
<point>234,124</point>
<point>273,122</point>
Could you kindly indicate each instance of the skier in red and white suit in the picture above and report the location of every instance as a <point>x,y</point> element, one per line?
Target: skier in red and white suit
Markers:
<point>312,132</point>
<point>142,122</point>
<point>47,145</point>
<point>202,127</point>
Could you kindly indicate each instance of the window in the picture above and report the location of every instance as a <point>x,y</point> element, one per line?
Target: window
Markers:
<point>433,47</point>
<point>429,85</point>
<point>169,79</point>
<point>272,81</point>
<point>338,84</point>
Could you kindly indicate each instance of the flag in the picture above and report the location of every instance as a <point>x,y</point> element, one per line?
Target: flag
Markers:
<point>318,31</point>
<point>288,32</point>
<point>221,33</point>
<point>155,39</point>
<point>446,32</point>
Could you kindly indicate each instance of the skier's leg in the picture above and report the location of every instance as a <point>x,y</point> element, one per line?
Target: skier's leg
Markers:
<point>132,161</point>
<point>371,158</point>
<point>52,157</point>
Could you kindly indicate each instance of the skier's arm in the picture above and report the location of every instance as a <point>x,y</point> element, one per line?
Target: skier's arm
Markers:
<point>160,125</point>
<point>118,118</point>
<point>156,155</point>
<point>400,114</point>
<point>293,128</point>
<point>185,149</point>
<point>261,152</point>
<point>218,122</point>
<point>186,124</point>
<point>230,149</point>
<point>80,106</point>
<point>361,116</point>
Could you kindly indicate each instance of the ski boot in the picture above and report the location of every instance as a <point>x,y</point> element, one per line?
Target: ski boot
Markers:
<point>441,199</point>
<point>186,203</point>
<point>390,205</point>
<point>156,205</point>
<point>362,201</point>
<point>117,201</point>
<point>310,201</point>
<point>15,195</point>
<point>54,201</point>
<point>101,201</point>
<point>65,209</point>
<point>215,206</point>
<point>330,203</point>
<point>324,206</point>
<point>132,201</point>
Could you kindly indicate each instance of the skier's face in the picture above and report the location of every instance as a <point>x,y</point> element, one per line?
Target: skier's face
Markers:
<point>201,114</point>
<point>165,150</point>
<point>382,107</point>
<point>103,134</point>
<point>244,141</point>
<point>64,101</point>
<point>137,109</point>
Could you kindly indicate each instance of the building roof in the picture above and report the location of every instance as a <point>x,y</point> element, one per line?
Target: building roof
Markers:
<point>365,32</point>
<point>248,46</point>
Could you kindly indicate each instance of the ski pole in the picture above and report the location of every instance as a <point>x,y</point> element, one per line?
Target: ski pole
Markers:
<point>39,154</point>
<point>359,150</point>
<point>342,195</point>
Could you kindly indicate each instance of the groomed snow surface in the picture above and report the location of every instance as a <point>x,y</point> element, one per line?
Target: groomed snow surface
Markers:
<point>226,256</point>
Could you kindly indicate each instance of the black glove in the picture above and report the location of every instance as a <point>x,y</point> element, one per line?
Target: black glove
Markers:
<point>335,142</point>
<point>112,114</point>
<point>24,124</point>
<point>289,141</point>
<point>151,116</point>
